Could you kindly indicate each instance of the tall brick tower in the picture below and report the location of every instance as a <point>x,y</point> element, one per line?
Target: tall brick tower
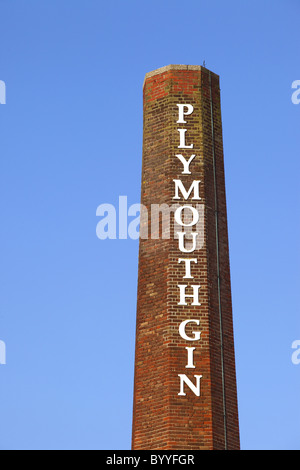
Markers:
<point>185,395</point>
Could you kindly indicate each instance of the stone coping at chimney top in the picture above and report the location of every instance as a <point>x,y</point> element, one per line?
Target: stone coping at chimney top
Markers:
<point>177,67</point>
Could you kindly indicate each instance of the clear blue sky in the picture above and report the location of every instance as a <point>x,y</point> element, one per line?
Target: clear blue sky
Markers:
<point>71,139</point>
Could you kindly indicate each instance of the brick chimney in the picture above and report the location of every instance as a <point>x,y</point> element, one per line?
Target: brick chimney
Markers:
<point>185,395</point>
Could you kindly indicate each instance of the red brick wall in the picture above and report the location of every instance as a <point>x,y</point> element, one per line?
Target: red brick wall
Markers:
<point>161,418</point>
